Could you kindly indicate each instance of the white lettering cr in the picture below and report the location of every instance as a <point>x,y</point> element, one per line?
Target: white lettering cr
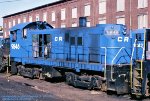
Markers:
<point>121,39</point>
<point>126,39</point>
<point>58,38</point>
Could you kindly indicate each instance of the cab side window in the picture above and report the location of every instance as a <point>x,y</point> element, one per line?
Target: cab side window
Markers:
<point>79,41</point>
<point>138,36</point>
<point>72,39</point>
<point>14,36</point>
<point>24,33</point>
<point>67,37</point>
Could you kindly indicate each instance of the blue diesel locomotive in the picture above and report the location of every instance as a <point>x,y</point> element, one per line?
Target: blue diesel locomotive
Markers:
<point>104,56</point>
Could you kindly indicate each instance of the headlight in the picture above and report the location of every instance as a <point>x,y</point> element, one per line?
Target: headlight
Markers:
<point>116,32</point>
<point>112,32</point>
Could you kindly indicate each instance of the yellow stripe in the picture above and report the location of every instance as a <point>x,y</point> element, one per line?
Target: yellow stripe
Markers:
<point>131,73</point>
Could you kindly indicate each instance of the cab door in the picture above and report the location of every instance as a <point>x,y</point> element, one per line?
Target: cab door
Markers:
<point>41,45</point>
<point>47,45</point>
<point>35,45</point>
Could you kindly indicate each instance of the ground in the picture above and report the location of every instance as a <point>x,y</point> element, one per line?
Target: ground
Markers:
<point>17,88</point>
<point>10,90</point>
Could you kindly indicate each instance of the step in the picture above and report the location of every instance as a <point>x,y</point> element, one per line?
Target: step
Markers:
<point>137,75</point>
<point>139,69</point>
<point>138,78</point>
<point>138,85</point>
<point>139,94</point>
<point>139,60</point>
<point>111,89</point>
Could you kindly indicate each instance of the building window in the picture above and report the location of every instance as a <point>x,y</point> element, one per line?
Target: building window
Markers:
<point>5,25</point>
<point>142,21</point>
<point>14,22</point>
<point>63,14</point>
<point>102,20</point>
<point>88,24</point>
<point>8,34</point>
<point>142,3</point>
<point>120,5</point>
<point>102,6</point>
<point>121,20</point>
<point>9,24</point>
<point>74,13</point>
<point>63,25</point>
<point>19,21</point>
<point>45,16</point>
<point>5,34</point>
<point>30,18</point>
<point>37,17</point>
<point>24,19</point>
<point>87,10</point>
<point>53,16</point>
<point>74,24</point>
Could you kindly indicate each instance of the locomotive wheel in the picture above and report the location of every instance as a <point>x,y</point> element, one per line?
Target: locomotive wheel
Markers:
<point>19,68</point>
<point>96,82</point>
<point>93,83</point>
<point>70,79</point>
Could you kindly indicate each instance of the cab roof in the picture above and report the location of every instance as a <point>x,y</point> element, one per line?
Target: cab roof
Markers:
<point>31,25</point>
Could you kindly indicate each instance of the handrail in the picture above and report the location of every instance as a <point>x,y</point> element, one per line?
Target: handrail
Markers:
<point>131,62</point>
<point>113,61</point>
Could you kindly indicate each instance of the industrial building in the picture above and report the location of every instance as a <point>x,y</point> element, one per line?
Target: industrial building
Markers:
<point>65,13</point>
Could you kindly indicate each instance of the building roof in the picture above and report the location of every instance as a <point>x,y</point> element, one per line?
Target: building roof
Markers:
<point>39,7</point>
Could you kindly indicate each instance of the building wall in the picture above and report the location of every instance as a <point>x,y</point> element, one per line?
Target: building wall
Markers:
<point>112,15</point>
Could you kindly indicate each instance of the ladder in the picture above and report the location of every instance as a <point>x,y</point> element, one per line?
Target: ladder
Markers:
<point>137,77</point>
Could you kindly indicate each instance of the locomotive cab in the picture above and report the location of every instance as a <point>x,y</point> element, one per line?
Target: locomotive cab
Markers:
<point>21,40</point>
<point>140,69</point>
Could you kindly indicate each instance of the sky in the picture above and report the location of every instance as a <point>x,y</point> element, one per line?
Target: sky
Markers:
<point>12,6</point>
